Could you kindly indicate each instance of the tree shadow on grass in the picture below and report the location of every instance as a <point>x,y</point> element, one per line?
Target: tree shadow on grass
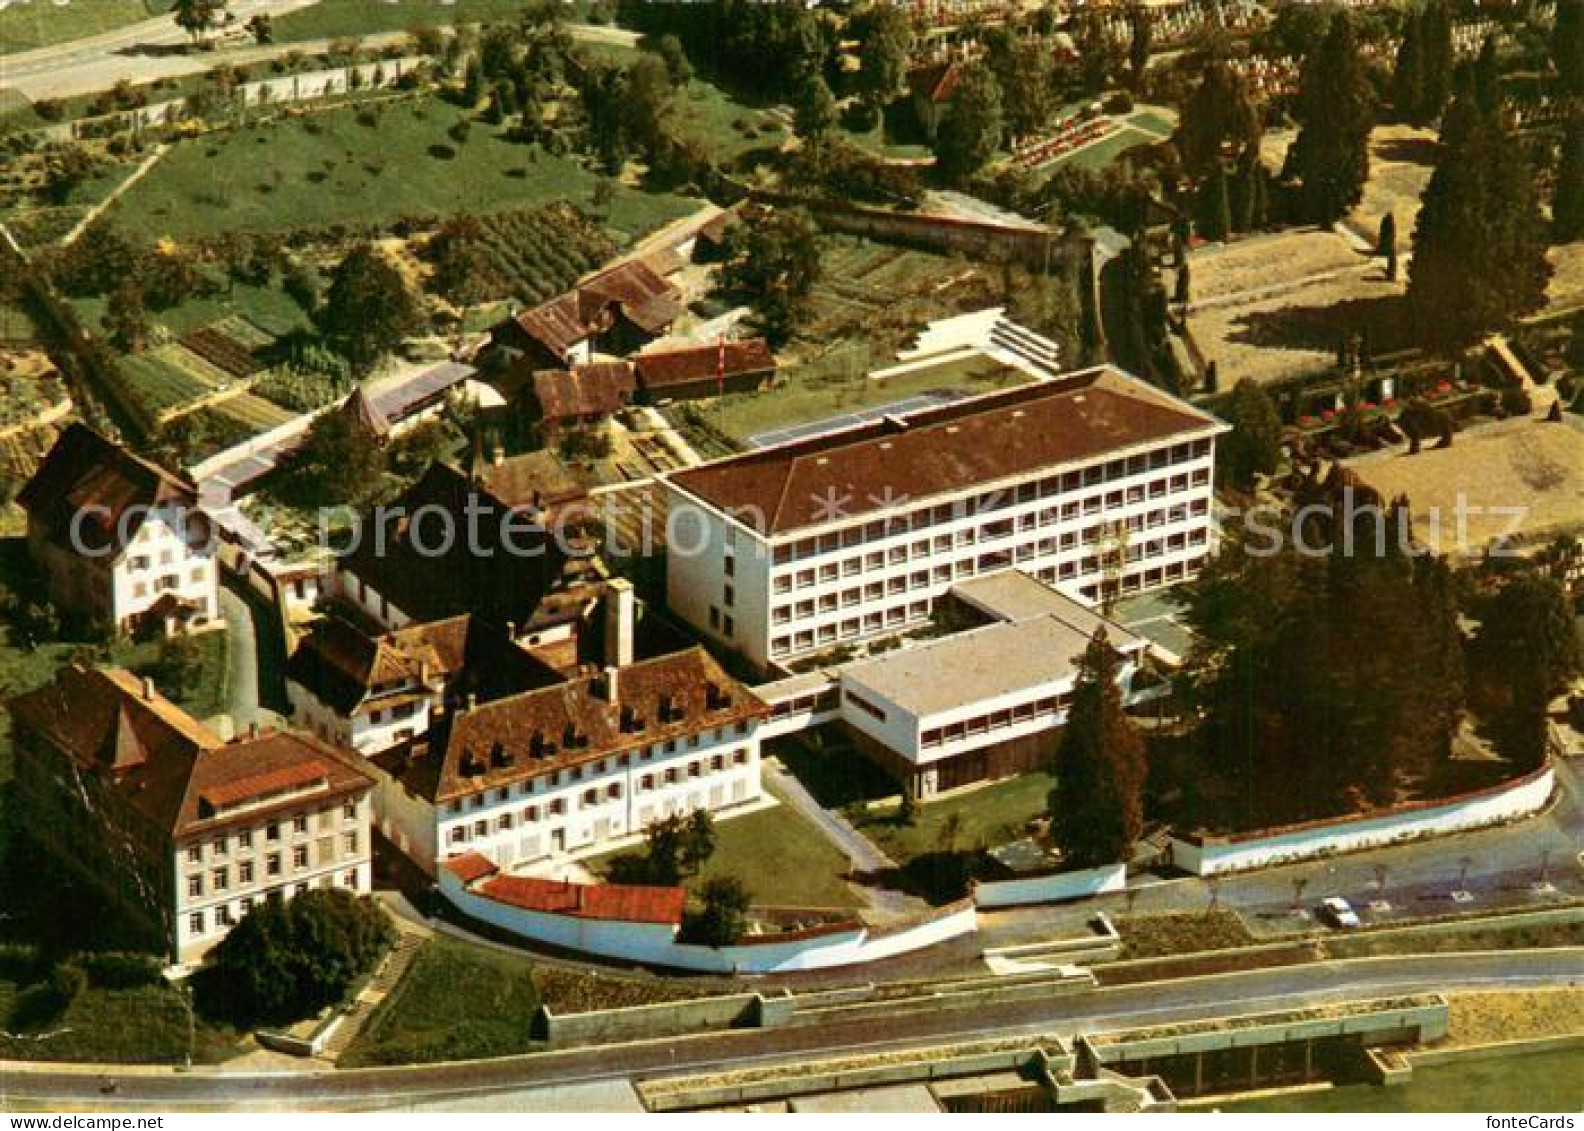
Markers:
<point>1384,320</point>
<point>1409,150</point>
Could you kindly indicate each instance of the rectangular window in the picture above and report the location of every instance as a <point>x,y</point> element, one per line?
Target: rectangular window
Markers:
<point>194,886</point>
<point>245,872</point>
<point>300,856</point>
<point>349,841</point>
<point>195,922</point>
<point>221,879</point>
<point>272,864</point>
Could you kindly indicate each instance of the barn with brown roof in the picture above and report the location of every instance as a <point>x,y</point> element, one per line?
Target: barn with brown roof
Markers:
<point>705,371</point>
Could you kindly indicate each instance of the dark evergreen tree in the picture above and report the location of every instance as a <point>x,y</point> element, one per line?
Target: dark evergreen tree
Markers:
<point>1525,652</point>
<point>1567,46</point>
<point>774,262</point>
<point>1141,39</point>
<point>1408,75</point>
<point>971,130</point>
<point>884,41</point>
<point>1253,447</point>
<point>1215,208</point>
<point>815,110</point>
<point>1479,245</point>
<point>1438,60</point>
<point>1336,112</point>
<point>1386,244</point>
<point>1097,807</point>
<point>1218,113</point>
<point>722,917</point>
<point>1567,204</point>
<point>1487,77</point>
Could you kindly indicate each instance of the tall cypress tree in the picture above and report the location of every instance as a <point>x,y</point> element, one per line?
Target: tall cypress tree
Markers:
<point>1567,206</point>
<point>1336,112</point>
<point>1487,77</point>
<point>1097,807</point>
<point>1215,208</point>
<point>1479,246</point>
<point>1567,46</point>
<point>1437,60</point>
<point>1408,76</point>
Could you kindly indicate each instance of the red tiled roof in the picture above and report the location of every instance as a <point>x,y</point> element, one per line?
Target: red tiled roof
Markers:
<point>661,368</point>
<point>596,389</point>
<point>276,779</point>
<point>936,81</point>
<point>611,902</point>
<point>1075,419</point>
<point>520,737</point>
<point>469,866</point>
<point>557,324</point>
<point>647,299</point>
<point>163,763</point>
<point>86,473</point>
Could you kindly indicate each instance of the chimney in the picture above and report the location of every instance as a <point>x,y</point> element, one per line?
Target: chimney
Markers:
<point>148,688</point>
<point>253,729</point>
<point>472,700</point>
<point>511,631</point>
<point>497,456</point>
<point>620,605</point>
<point>610,684</point>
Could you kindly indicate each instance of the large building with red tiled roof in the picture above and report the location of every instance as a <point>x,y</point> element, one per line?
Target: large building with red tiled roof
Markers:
<point>705,371</point>
<point>368,692</point>
<point>119,539</point>
<point>179,829</point>
<point>1090,480</point>
<point>616,311</point>
<point>528,777</point>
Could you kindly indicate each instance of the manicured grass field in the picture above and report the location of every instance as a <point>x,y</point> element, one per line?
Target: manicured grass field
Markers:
<point>1102,153</point>
<point>330,168</point>
<point>783,859</point>
<point>330,18</point>
<point>456,1001</point>
<point>27,24</point>
<point>989,815</point>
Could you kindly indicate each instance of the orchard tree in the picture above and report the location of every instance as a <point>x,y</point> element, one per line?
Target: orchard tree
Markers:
<point>1335,113</point>
<point>369,308</point>
<point>1097,807</point>
<point>198,17</point>
<point>971,130</point>
<point>126,317</point>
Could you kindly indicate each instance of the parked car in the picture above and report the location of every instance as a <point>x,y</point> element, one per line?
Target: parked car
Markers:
<point>1339,913</point>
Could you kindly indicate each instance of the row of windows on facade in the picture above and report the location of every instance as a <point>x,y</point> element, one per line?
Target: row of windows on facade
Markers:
<point>1048,706</point>
<point>945,573</point>
<point>595,797</point>
<point>219,879</point>
<point>990,501</point>
<point>166,583</point>
<point>595,769</point>
<point>993,531</point>
<point>220,845</point>
<point>900,615</point>
<point>225,917</point>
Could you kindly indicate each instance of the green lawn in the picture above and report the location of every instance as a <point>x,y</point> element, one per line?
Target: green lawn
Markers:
<point>987,816</point>
<point>330,18</point>
<point>146,1025</point>
<point>783,858</point>
<point>27,24</point>
<point>838,383</point>
<point>330,168</point>
<point>1102,153</point>
<point>457,1001</point>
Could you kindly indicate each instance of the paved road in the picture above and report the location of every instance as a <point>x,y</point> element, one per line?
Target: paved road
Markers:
<point>98,62</point>
<point>1119,1007</point>
<point>242,688</point>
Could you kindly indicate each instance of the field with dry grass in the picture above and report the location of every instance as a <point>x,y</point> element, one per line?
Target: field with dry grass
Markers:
<point>1489,1018</point>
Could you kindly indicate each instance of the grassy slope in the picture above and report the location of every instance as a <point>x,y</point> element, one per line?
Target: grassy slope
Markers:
<point>349,17</point>
<point>329,169</point>
<point>147,1025</point>
<point>41,23</point>
<point>456,1001</point>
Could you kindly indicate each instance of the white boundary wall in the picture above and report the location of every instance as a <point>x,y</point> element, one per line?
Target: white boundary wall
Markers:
<point>1051,888</point>
<point>656,944</point>
<point>1205,856</point>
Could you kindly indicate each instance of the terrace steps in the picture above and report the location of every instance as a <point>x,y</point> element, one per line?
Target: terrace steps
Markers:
<point>379,987</point>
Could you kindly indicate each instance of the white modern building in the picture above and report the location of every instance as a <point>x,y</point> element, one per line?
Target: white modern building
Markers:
<point>1093,481</point>
<point>529,777</point>
<point>985,702</point>
<point>119,539</point>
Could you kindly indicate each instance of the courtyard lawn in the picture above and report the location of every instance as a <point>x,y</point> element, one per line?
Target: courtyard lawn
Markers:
<point>330,168</point>
<point>457,1001</point>
<point>784,859</point>
<point>987,816</point>
<point>1102,153</point>
<point>28,24</point>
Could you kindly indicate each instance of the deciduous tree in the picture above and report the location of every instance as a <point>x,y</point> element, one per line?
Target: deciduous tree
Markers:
<point>369,308</point>
<point>971,130</point>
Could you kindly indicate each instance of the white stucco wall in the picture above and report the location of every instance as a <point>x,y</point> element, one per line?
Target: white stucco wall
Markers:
<point>1219,854</point>
<point>1051,888</point>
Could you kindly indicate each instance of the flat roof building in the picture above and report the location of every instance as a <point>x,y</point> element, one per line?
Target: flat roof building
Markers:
<point>1093,481</point>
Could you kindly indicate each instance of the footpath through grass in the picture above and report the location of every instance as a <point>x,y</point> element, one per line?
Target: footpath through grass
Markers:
<point>359,166</point>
